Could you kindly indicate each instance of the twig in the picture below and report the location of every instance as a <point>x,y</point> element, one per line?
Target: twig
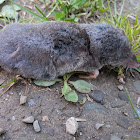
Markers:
<point>26,88</point>
<point>8,88</point>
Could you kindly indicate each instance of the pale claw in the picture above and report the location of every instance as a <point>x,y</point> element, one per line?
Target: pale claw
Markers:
<point>91,75</point>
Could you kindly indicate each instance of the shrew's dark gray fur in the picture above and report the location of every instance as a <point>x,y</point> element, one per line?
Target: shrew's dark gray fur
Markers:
<point>51,49</point>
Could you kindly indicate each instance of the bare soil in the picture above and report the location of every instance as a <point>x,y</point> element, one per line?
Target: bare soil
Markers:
<point>48,102</point>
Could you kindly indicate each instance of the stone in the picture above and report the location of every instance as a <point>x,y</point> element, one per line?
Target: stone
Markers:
<point>123,96</point>
<point>2,131</point>
<point>98,125</point>
<point>13,118</point>
<point>23,99</point>
<point>138,102</point>
<point>29,119</point>
<point>136,85</point>
<point>71,126</point>
<point>118,104</point>
<point>138,112</point>
<point>31,102</point>
<point>51,132</point>
<point>108,126</point>
<point>114,137</point>
<point>121,80</point>
<point>93,106</point>
<point>120,87</point>
<point>123,122</point>
<point>97,96</point>
<point>45,118</point>
<point>36,126</point>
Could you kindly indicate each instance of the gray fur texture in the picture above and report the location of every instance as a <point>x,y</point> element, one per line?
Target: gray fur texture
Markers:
<point>51,49</point>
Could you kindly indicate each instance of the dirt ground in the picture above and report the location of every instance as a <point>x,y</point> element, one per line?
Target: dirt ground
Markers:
<point>114,112</point>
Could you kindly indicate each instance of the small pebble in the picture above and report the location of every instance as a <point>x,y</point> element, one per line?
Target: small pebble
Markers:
<point>23,99</point>
<point>45,118</point>
<point>114,137</point>
<point>51,132</point>
<point>24,13</point>
<point>80,133</point>
<point>136,85</point>
<point>138,102</point>
<point>98,125</point>
<point>2,131</point>
<point>71,125</point>
<point>13,118</point>
<point>108,126</point>
<point>123,122</point>
<point>11,93</point>
<point>125,113</point>
<point>92,107</point>
<point>138,112</point>
<point>120,87</point>
<point>31,102</point>
<point>28,119</point>
<point>121,80</point>
<point>36,126</point>
<point>97,96</point>
<point>123,96</point>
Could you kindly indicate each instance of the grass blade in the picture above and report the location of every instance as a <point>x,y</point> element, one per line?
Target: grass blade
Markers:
<point>29,11</point>
<point>133,138</point>
<point>9,83</point>
<point>132,104</point>
<point>52,10</point>
<point>115,9</point>
<point>110,11</point>
<point>121,10</point>
<point>41,13</point>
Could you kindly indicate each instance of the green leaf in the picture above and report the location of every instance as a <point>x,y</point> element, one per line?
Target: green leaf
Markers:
<point>74,3</point>
<point>138,69</point>
<point>69,19</point>
<point>41,1</point>
<point>103,10</point>
<point>71,96</point>
<point>82,86</point>
<point>118,70</point>
<point>9,12</point>
<point>100,3</point>
<point>66,88</point>
<point>46,83</point>
<point>59,16</point>
<point>138,58</point>
<point>136,21</point>
<point>1,1</point>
